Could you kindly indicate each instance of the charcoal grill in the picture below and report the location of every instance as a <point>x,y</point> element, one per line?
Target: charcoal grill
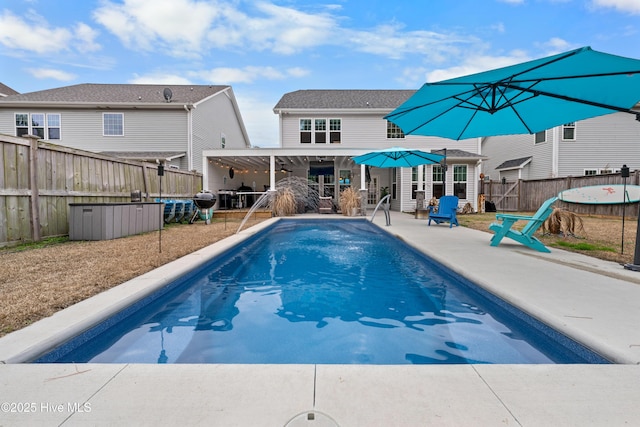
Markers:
<point>204,201</point>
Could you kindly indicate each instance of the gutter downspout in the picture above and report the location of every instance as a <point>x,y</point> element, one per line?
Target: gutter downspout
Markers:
<point>555,151</point>
<point>188,109</point>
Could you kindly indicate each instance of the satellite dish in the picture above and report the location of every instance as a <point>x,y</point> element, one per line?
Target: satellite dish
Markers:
<point>167,94</point>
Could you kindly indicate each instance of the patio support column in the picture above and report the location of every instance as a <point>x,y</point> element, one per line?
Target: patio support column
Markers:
<point>363,190</point>
<point>272,172</point>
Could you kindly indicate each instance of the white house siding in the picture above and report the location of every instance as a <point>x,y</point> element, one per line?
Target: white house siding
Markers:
<point>502,148</point>
<point>157,130</point>
<point>370,132</point>
<point>212,119</point>
<point>366,129</point>
<point>7,123</point>
<point>605,142</point>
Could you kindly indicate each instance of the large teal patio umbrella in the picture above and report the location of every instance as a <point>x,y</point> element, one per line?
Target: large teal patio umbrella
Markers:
<point>525,98</point>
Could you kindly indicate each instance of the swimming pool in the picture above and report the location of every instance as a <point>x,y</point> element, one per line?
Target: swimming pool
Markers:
<point>322,291</point>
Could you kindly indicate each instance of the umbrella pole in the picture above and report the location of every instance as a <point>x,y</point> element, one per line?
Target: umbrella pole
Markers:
<point>636,256</point>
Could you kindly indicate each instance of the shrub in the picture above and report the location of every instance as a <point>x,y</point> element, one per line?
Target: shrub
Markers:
<point>349,200</point>
<point>562,222</point>
<point>284,203</point>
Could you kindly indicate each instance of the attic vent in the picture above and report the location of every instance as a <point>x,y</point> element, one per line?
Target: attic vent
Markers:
<point>167,94</point>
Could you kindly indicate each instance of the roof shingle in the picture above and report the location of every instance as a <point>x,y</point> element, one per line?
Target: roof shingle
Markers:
<point>343,99</point>
<point>117,93</point>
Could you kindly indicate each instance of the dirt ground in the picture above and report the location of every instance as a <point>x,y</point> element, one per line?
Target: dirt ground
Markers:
<point>37,281</point>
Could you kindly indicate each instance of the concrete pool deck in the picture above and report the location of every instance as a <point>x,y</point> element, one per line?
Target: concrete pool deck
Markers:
<point>595,302</point>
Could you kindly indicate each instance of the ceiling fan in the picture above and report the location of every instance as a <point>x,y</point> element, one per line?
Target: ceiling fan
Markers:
<point>283,169</point>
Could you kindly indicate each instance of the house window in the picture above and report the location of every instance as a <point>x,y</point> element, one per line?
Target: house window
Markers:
<point>394,131</point>
<point>460,181</point>
<point>53,126</point>
<point>22,124</point>
<point>113,124</point>
<point>414,182</point>
<point>223,140</point>
<point>37,124</point>
<point>569,132</point>
<point>540,137</point>
<point>305,131</point>
<point>437,185</point>
<point>45,126</point>
<point>320,127</point>
<point>589,172</point>
<point>335,130</point>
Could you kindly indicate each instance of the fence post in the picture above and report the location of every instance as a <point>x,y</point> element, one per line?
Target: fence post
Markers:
<point>33,182</point>
<point>145,181</point>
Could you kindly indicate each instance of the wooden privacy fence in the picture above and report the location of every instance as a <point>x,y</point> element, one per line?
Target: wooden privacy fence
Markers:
<point>527,196</point>
<point>38,181</point>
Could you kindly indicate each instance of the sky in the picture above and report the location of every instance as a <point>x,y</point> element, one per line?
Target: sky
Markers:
<point>266,48</point>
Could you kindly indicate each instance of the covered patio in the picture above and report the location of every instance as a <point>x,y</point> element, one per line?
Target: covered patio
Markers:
<point>239,176</point>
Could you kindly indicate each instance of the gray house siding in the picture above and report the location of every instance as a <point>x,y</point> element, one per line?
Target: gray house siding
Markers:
<point>601,143</point>
<point>162,130</point>
<point>214,119</point>
<point>191,119</point>
<point>605,142</point>
<point>363,127</point>
<point>502,148</point>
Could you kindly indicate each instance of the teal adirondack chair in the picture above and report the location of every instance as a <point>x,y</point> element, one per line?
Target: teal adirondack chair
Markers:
<point>447,209</point>
<point>524,236</point>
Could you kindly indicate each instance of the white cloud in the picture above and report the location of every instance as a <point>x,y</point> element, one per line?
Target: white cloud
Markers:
<point>85,38</point>
<point>556,45</point>
<point>191,27</point>
<point>34,35</point>
<point>391,41</point>
<point>49,73</point>
<point>140,24</point>
<point>630,6</point>
<point>249,74</point>
<point>476,64</point>
<point>298,72</point>
<point>159,78</point>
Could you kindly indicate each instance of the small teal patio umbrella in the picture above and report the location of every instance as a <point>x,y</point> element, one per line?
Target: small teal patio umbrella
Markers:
<point>398,157</point>
<point>524,98</point>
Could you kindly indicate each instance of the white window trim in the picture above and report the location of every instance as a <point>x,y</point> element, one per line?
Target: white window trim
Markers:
<point>401,134</point>
<point>541,142</point>
<point>313,131</point>
<point>575,132</point>
<point>114,113</point>
<point>45,125</point>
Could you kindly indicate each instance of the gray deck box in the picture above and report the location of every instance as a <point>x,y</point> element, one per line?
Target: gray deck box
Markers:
<point>106,221</point>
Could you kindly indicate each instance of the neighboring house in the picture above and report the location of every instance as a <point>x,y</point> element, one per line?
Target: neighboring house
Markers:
<point>320,132</point>
<point>6,90</point>
<point>170,123</point>
<point>588,147</point>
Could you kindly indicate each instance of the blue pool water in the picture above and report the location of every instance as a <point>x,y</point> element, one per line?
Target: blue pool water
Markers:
<point>322,291</point>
